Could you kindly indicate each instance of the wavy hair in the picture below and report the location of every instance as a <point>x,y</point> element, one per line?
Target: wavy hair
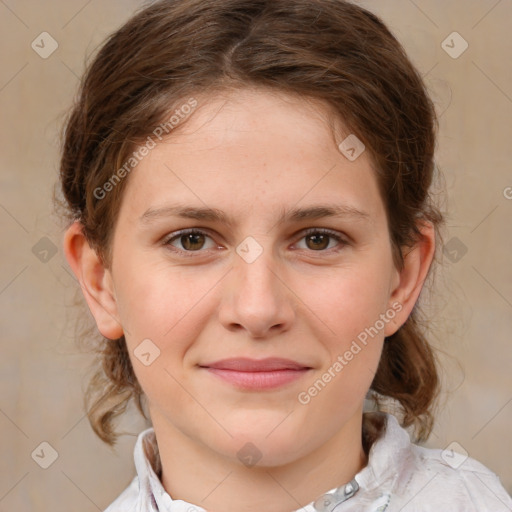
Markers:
<point>329,50</point>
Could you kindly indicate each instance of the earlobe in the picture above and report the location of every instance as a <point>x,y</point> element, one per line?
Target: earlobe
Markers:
<point>95,281</point>
<point>417,261</point>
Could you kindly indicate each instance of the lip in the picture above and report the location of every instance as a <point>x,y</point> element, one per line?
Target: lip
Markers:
<point>257,374</point>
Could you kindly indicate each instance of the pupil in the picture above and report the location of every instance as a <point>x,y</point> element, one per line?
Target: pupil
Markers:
<point>190,240</point>
<point>319,238</point>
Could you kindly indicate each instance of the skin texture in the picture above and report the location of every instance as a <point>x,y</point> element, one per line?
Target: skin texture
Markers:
<point>252,154</point>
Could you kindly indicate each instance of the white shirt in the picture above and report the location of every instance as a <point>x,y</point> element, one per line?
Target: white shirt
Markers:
<point>399,476</point>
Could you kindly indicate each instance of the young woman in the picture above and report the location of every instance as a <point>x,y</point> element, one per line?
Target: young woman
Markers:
<point>251,225</point>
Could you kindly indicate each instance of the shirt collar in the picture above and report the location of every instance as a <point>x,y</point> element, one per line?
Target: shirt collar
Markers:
<point>390,454</point>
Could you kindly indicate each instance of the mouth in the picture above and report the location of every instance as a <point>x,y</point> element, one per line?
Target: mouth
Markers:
<point>257,374</point>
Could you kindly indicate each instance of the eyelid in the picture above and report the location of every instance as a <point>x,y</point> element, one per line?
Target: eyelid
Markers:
<point>326,231</point>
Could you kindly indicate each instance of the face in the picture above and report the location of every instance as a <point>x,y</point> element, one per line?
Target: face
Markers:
<point>254,256</point>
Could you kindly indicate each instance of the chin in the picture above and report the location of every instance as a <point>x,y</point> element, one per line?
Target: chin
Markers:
<point>263,443</point>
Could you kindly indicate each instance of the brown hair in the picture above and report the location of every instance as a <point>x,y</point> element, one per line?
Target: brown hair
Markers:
<point>329,50</point>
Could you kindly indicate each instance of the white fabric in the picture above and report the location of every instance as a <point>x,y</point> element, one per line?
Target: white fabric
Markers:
<point>399,476</point>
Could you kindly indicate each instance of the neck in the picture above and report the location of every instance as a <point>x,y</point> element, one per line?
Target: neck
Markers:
<point>193,472</point>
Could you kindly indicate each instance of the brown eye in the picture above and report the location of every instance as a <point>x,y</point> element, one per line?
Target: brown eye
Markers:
<point>190,241</point>
<point>319,240</point>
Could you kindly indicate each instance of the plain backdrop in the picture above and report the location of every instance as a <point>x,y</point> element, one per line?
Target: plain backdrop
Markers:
<point>42,372</point>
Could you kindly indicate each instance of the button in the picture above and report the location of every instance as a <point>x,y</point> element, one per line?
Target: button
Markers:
<point>351,488</point>
<point>329,501</point>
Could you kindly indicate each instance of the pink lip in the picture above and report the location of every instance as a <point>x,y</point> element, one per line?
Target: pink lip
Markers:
<point>257,374</point>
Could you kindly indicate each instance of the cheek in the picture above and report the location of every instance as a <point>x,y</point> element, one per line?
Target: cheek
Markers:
<point>166,305</point>
<point>349,303</point>
<point>168,308</point>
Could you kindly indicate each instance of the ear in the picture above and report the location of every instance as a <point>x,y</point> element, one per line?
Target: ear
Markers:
<point>409,281</point>
<point>95,281</point>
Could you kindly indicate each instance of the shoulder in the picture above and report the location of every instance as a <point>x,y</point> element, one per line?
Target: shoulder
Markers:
<point>453,478</point>
<point>127,500</point>
<point>408,477</point>
<point>433,479</point>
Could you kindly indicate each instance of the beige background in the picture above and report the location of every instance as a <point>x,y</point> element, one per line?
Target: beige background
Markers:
<point>41,371</point>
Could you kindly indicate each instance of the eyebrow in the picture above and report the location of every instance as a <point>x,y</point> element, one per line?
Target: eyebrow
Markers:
<point>287,215</point>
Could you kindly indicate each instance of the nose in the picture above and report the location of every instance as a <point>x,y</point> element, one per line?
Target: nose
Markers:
<point>256,298</point>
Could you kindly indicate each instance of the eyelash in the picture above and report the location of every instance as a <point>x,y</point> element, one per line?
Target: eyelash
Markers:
<point>322,231</point>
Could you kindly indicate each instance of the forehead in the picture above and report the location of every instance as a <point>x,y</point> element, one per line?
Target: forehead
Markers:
<point>253,150</point>
<point>235,118</point>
